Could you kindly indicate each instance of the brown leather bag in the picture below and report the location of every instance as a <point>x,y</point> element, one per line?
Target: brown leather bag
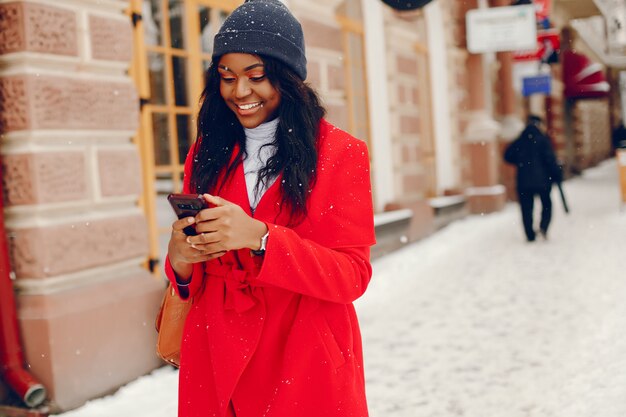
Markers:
<point>169,324</point>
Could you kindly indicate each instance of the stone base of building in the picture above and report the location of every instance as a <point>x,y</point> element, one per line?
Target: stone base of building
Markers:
<point>87,341</point>
<point>448,208</point>
<point>507,174</point>
<point>484,200</point>
<point>422,222</point>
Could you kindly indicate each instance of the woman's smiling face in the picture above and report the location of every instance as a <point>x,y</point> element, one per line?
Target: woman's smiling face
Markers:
<point>247,91</point>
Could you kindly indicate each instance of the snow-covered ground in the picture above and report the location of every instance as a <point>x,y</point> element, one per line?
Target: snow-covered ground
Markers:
<point>474,321</point>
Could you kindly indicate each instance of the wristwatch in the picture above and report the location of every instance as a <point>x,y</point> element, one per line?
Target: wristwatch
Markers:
<point>261,250</point>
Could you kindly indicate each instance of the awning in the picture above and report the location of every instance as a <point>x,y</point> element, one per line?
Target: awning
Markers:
<point>406,4</point>
<point>582,77</point>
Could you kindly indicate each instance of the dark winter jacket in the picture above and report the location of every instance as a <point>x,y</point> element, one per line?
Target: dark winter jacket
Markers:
<point>619,137</point>
<point>536,163</point>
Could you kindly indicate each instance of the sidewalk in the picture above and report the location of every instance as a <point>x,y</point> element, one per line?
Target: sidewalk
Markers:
<point>476,322</point>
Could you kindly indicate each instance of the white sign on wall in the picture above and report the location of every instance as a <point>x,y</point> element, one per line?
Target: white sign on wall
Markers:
<point>496,29</point>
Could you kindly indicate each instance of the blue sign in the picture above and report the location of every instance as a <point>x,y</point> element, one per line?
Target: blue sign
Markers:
<point>537,84</point>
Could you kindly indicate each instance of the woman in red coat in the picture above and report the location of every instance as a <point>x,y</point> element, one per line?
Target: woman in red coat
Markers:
<point>283,250</point>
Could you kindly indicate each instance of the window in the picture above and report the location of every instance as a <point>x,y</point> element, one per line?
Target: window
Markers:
<point>173,46</point>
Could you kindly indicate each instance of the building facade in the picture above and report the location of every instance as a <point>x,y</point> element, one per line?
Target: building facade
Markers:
<point>97,112</point>
<point>71,180</point>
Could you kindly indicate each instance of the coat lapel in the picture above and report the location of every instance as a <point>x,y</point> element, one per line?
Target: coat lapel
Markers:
<point>235,189</point>
<point>268,207</point>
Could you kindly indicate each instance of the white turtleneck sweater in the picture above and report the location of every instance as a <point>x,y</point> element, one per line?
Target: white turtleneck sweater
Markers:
<point>257,157</point>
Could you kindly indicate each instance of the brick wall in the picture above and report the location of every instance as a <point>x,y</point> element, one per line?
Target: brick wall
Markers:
<point>555,115</point>
<point>408,84</point>
<point>457,76</point>
<point>72,177</point>
<point>474,128</point>
<point>592,132</point>
<point>325,55</point>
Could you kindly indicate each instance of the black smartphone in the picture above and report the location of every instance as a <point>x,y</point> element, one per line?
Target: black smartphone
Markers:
<point>187,205</point>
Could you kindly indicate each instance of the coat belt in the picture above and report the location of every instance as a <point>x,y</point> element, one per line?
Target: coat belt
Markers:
<point>239,294</point>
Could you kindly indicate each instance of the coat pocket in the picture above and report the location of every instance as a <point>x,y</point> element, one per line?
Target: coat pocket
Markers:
<point>330,343</point>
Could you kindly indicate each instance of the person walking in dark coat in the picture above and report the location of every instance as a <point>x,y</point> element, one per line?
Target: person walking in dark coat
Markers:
<point>537,169</point>
<point>619,136</point>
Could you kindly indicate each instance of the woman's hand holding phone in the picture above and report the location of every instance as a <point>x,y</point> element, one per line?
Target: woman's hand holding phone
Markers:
<point>226,226</point>
<point>181,252</point>
<point>221,227</point>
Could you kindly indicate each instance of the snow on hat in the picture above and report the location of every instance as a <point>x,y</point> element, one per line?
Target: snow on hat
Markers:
<point>263,27</point>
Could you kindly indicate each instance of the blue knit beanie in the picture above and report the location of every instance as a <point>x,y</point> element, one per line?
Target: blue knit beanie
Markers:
<point>263,27</point>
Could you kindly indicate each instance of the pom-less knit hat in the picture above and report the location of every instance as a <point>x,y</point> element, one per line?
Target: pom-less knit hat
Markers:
<point>263,27</point>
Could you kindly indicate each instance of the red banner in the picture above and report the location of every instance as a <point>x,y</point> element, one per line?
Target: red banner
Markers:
<point>582,77</point>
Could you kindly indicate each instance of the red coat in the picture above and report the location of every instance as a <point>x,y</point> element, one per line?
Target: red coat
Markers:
<point>278,336</point>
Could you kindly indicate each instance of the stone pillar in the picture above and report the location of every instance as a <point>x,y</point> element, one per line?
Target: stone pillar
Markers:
<point>480,147</point>
<point>412,141</point>
<point>71,173</point>
<point>511,123</point>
